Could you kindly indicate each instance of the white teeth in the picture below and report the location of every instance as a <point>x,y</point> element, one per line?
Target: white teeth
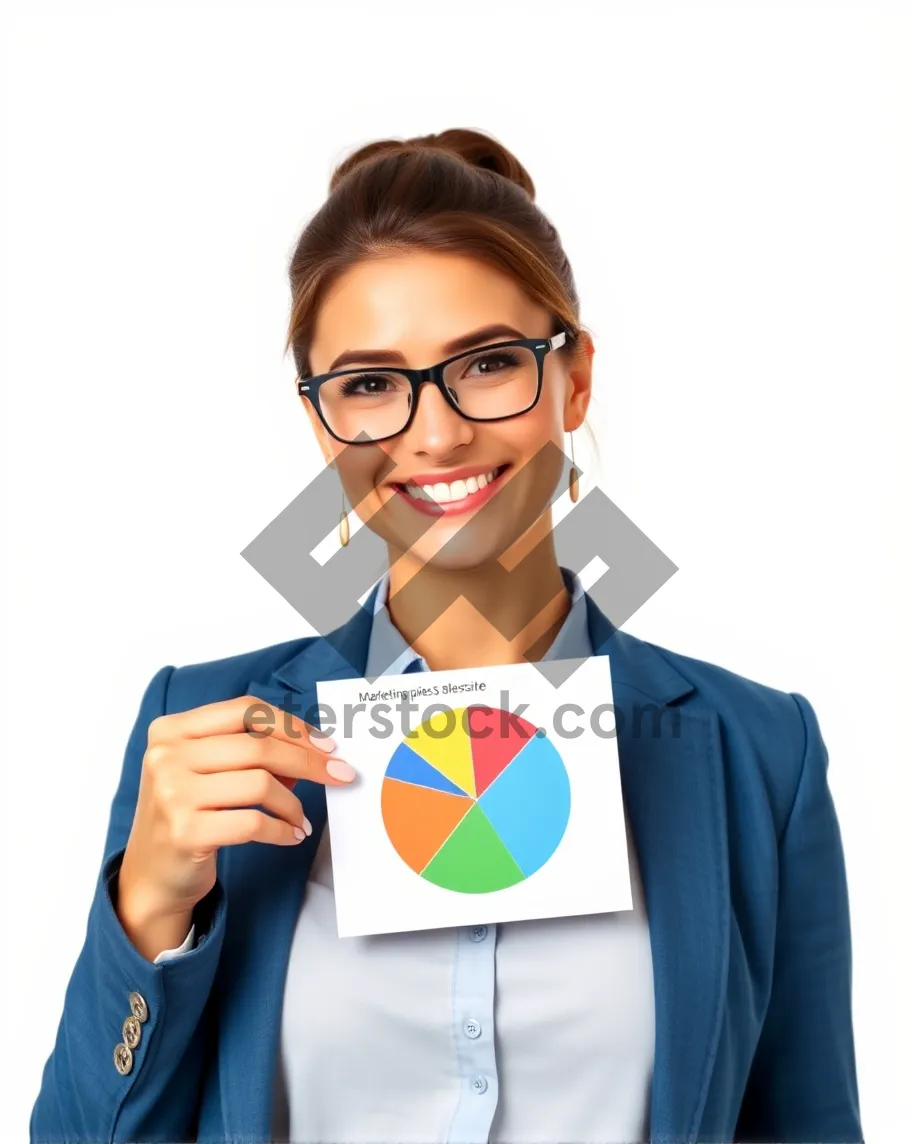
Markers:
<point>458,490</point>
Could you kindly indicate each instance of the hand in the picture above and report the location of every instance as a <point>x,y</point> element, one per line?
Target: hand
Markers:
<point>199,765</point>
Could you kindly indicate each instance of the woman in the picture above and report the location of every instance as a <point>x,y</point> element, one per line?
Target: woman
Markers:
<point>213,1000</point>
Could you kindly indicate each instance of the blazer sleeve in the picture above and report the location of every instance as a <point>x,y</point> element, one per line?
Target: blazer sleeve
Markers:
<point>83,1095</point>
<point>802,1084</point>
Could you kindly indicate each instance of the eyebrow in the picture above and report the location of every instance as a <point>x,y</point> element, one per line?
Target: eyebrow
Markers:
<point>480,336</point>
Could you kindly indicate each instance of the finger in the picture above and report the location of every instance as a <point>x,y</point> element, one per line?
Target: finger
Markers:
<point>237,752</point>
<point>230,716</point>
<point>248,788</point>
<point>213,829</point>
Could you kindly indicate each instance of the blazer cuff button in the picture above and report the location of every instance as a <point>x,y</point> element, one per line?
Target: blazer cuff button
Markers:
<point>132,1032</point>
<point>123,1059</point>
<point>138,1007</point>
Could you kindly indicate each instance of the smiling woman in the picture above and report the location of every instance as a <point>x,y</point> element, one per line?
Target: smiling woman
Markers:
<point>442,365</point>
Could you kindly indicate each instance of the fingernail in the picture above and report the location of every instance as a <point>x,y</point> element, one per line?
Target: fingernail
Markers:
<point>322,741</point>
<point>298,833</point>
<point>340,770</point>
<point>303,831</point>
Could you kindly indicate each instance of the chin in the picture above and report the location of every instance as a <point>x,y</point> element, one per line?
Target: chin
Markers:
<point>459,552</point>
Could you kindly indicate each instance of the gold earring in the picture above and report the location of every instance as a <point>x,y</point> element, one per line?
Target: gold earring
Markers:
<point>344,531</point>
<point>574,474</point>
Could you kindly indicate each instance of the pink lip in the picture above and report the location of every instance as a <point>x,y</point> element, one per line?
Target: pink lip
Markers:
<point>452,508</point>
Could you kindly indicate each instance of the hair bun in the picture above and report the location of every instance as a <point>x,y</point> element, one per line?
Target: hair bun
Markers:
<point>474,147</point>
<point>481,150</point>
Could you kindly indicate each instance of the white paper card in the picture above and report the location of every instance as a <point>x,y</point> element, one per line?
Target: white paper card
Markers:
<point>483,795</point>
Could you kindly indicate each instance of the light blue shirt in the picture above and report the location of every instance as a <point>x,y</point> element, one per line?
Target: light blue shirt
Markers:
<point>473,993</point>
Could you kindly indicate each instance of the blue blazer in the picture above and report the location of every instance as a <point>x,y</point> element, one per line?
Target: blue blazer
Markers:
<point>745,890</point>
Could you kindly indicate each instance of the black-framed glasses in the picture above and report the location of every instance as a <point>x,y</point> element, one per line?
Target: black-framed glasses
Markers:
<point>489,383</point>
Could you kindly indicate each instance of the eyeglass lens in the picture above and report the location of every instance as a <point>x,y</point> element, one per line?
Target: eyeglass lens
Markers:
<point>376,403</point>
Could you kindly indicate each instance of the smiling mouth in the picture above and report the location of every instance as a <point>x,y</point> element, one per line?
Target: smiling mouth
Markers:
<point>451,497</point>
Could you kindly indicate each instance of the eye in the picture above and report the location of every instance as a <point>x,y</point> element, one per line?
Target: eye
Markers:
<point>494,362</point>
<point>366,384</point>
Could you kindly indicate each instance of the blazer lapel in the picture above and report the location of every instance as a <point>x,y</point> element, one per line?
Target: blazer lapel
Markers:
<point>264,886</point>
<point>673,783</point>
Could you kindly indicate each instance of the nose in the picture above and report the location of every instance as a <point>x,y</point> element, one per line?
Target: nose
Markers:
<point>437,430</point>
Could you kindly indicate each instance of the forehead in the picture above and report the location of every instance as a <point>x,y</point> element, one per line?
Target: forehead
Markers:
<point>415,302</point>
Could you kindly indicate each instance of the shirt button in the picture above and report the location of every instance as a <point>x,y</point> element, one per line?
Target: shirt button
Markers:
<point>472,1028</point>
<point>479,933</point>
<point>480,1085</point>
<point>123,1059</point>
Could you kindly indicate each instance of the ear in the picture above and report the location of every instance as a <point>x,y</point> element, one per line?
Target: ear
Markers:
<point>579,390</point>
<point>323,438</point>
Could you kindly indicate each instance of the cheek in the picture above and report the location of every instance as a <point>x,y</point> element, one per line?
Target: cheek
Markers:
<point>529,433</point>
<point>362,468</point>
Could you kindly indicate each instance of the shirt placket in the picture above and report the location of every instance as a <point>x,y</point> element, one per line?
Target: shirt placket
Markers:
<point>473,1034</point>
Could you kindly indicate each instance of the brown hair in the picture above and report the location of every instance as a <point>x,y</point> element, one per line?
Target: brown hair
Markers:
<point>460,191</point>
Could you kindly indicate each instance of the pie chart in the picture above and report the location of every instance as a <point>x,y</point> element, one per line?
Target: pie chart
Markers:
<point>475,799</point>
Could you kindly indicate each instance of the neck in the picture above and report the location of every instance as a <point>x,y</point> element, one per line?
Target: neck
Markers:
<point>472,634</point>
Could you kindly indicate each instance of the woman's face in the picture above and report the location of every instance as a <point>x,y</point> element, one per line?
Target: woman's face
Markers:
<point>415,304</point>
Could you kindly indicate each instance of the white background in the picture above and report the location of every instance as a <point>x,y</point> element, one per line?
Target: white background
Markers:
<point>732,184</point>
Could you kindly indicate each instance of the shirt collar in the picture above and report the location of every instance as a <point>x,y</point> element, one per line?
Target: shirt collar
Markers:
<point>388,652</point>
